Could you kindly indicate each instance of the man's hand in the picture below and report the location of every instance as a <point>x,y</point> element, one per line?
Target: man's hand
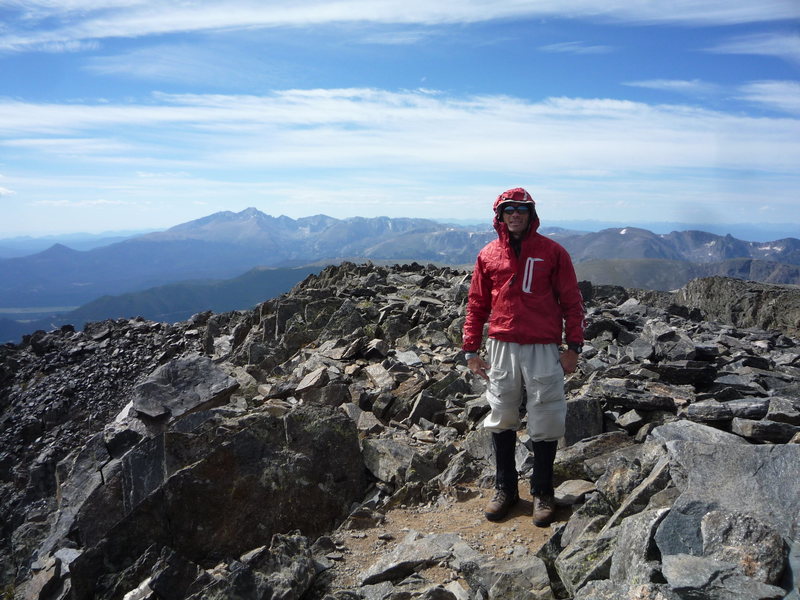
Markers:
<point>478,366</point>
<point>569,361</point>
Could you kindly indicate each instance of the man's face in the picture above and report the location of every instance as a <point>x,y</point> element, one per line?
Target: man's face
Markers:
<point>517,221</point>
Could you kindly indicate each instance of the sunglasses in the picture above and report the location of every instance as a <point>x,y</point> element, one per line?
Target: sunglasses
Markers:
<point>522,209</point>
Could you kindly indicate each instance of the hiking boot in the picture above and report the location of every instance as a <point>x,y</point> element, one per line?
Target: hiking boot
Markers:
<point>544,510</point>
<point>499,506</point>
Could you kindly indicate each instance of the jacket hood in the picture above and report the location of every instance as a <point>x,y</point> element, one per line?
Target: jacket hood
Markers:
<point>517,196</point>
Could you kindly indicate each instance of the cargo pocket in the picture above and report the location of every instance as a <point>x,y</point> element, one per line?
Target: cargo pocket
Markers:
<point>547,408</point>
<point>500,382</point>
<point>546,389</point>
<point>500,394</point>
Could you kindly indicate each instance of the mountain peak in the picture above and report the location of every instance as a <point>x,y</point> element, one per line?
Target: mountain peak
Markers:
<point>57,250</point>
<point>251,212</point>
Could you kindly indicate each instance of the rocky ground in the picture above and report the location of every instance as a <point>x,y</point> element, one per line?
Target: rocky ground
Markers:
<point>327,445</point>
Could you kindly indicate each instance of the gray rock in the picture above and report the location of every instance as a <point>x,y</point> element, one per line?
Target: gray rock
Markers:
<point>524,578</point>
<point>586,559</point>
<point>720,477</point>
<point>764,430</point>
<point>47,582</point>
<point>784,410</point>
<point>332,394</point>
<point>625,393</point>
<point>368,423</point>
<point>274,467</point>
<point>376,349</point>
<point>462,468</point>
<point>284,570</point>
<point>172,575</point>
<point>608,590</point>
<point>426,406</point>
<point>757,549</point>
<point>475,410</point>
<point>701,577</point>
<point>639,497</point>
<point>570,461</point>
<point>588,519</point>
<point>635,560</point>
<point>709,411</point>
<point>631,421</point>
<point>80,478</point>
<point>749,408</point>
<point>573,491</point>
<point>315,379</point>
<point>478,444</point>
<point>363,517</point>
<point>380,377</point>
<point>182,386</point>
<point>695,432</point>
<point>414,552</point>
<point>408,357</point>
<point>640,350</point>
<point>743,303</point>
<point>681,372</point>
<point>584,419</point>
<point>387,460</point>
<point>740,382</point>
<point>595,467</point>
<point>669,344</point>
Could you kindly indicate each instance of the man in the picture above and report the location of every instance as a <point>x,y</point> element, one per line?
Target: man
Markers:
<point>524,284</point>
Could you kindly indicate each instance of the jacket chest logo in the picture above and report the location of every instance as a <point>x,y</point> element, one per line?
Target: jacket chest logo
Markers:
<point>527,278</point>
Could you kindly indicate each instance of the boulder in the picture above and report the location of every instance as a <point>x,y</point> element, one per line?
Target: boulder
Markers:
<point>182,386</point>
<point>270,472</point>
<point>756,481</point>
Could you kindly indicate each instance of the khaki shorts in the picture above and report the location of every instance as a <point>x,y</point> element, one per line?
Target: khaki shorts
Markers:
<point>537,366</point>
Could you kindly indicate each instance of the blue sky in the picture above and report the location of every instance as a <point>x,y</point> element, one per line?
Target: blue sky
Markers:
<point>129,114</point>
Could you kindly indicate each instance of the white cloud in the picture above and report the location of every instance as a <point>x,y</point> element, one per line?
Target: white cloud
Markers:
<point>64,203</point>
<point>681,86</point>
<point>183,63</point>
<point>783,96</point>
<point>162,175</point>
<point>781,45</point>
<point>6,192</point>
<point>68,146</point>
<point>576,48</point>
<point>377,129</point>
<point>404,37</point>
<point>39,23</point>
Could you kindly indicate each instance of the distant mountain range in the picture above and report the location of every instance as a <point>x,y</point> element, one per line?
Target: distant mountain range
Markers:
<point>224,245</point>
<point>172,302</point>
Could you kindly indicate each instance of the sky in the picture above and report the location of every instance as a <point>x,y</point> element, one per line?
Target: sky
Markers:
<point>143,114</point>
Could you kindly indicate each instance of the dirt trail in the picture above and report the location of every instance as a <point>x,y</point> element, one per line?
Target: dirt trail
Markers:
<point>512,536</point>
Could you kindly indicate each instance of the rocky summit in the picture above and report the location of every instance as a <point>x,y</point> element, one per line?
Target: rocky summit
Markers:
<point>231,455</point>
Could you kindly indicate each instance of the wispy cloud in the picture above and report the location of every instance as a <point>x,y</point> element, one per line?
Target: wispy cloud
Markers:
<point>371,128</point>
<point>64,203</point>
<point>576,48</point>
<point>690,87</point>
<point>322,148</point>
<point>68,146</point>
<point>6,192</point>
<point>783,96</point>
<point>183,63</point>
<point>401,37</point>
<point>781,45</point>
<point>42,24</point>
